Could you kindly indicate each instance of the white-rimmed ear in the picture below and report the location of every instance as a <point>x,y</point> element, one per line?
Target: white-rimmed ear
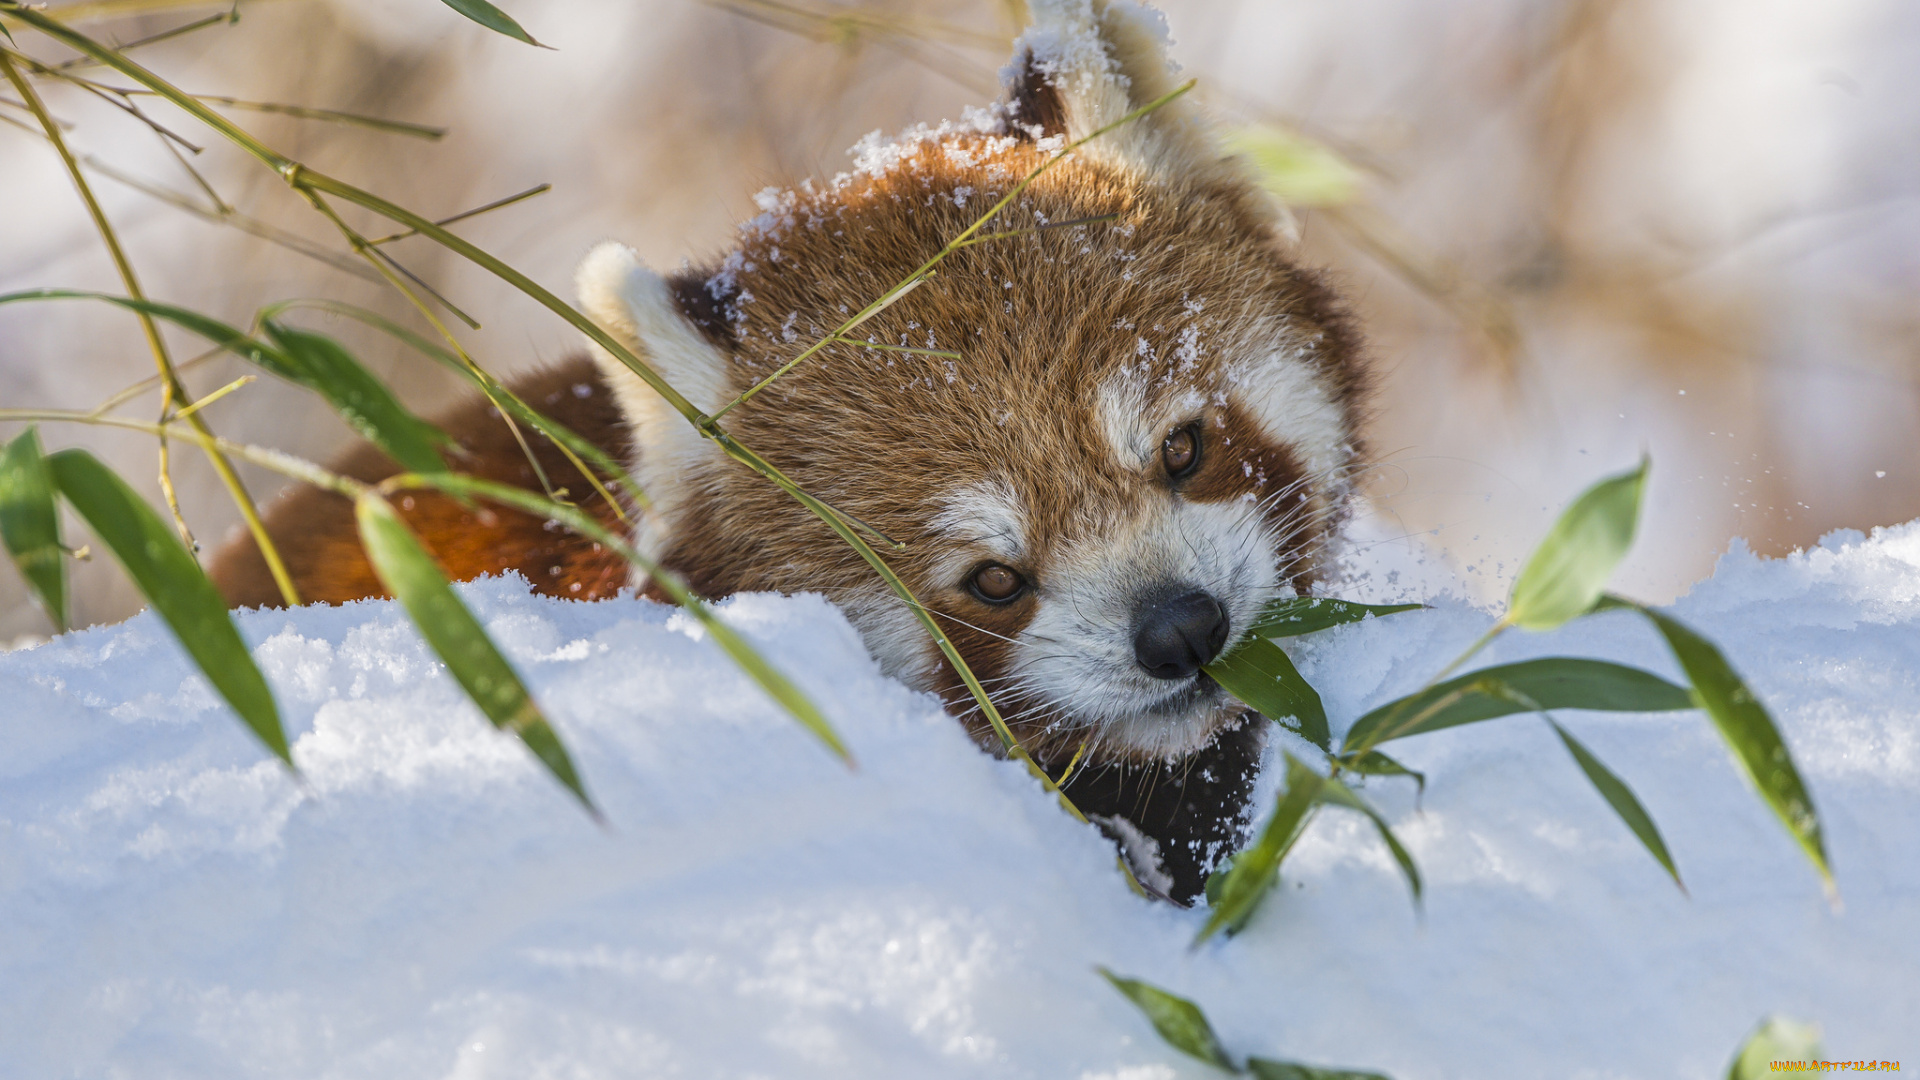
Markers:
<point>637,307</point>
<point>1084,64</point>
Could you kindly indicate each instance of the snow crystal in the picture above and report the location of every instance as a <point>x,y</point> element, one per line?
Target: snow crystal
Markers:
<point>965,143</point>
<point>426,902</point>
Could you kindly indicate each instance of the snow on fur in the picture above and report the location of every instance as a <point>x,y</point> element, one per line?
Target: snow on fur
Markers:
<point>429,904</point>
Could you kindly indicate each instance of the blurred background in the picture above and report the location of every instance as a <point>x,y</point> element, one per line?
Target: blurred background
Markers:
<point>1575,229</point>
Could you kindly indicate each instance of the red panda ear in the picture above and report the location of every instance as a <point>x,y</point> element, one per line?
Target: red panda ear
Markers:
<point>640,309</point>
<point>1084,64</point>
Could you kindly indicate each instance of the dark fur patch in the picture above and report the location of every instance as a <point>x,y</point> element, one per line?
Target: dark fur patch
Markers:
<point>693,294</point>
<point>1240,460</point>
<point>1033,102</point>
<point>1197,809</point>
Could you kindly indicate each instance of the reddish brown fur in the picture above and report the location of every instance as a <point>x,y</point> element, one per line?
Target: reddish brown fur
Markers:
<point>315,533</point>
<point>846,427</point>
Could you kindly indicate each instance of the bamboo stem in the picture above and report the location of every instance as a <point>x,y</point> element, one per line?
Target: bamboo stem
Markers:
<point>173,389</point>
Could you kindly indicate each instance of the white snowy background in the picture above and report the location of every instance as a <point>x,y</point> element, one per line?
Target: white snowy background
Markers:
<point>429,904</point>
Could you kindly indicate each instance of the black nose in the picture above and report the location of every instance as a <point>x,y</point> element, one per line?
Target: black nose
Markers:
<point>1176,637</point>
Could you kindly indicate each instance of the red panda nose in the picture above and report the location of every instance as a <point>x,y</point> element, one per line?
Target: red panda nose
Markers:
<point>1175,638</point>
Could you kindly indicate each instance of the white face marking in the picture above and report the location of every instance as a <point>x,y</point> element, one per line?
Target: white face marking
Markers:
<point>987,515</point>
<point>1076,656</point>
<point>1120,403</point>
<point>1134,425</point>
<point>979,522</point>
<point>1285,395</point>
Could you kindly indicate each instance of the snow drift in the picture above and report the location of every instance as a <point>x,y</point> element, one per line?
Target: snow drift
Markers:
<point>430,904</point>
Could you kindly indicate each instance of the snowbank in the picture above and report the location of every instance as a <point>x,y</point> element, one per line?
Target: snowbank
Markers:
<point>430,905</point>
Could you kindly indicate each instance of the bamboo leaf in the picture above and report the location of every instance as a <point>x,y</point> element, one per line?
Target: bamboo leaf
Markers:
<point>1622,799</point>
<point>1217,881</point>
<point>311,360</point>
<point>492,18</point>
<point>30,524</point>
<point>233,340</point>
<point>1299,171</point>
<point>1263,1069</point>
<point>1256,868</point>
<point>1749,732</point>
<point>1553,682</point>
<point>1335,793</point>
<point>174,584</point>
<point>745,656</point>
<point>1294,615</point>
<point>495,390</point>
<point>324,366</point>
<point>1260,674</point>
<point>1777,1039</point>
<point>458,639</point>
<point>1569,570</point>
<point>1375,763</point>
<point>1178,1020</point>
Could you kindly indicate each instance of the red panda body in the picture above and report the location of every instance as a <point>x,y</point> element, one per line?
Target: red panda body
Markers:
<point>1106,439</point>
<point>316,535</point>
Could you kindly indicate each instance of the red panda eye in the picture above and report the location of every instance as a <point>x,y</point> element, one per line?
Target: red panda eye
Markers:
<point>996,584</point>
<point>1181,452</point>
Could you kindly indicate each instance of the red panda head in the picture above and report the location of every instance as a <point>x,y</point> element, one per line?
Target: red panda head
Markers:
<point>1147,433</point>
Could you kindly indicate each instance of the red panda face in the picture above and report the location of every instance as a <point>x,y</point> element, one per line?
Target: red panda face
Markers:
<point>1148,477</point>
<point>1117,440</point>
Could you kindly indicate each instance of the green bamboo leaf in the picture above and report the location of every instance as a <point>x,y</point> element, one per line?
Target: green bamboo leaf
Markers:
<point>311,360</point>
<point>1217,881</point>
<point>1178,1020</point>
<point>1777,1039</point>
<point>324,366</point>
<point>1749,732</point>
<point>745,656</point>
<point>1260,674</point>
<point>492,18</point>
<point>495,390</point>
<point>30,524</point>
<point>1569,570</point>
<point>233,340</point>
<point>1553,682</point>
<point>458,639</point>
<point>1263,1069</point>
<point>1375,763</point>
<point>1294,615</point>
<point>1335,793</point>
<point>1299,171</point>
<point>1622,799</point>
<point>174,584</point>
<point>1254,869</point>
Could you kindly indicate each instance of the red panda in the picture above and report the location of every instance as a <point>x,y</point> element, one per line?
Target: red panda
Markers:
<point>1148,433</point>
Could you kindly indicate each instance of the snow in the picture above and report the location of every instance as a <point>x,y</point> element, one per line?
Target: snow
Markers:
<point>425,903</point>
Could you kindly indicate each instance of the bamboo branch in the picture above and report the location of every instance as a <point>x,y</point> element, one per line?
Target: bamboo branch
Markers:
<point>173,389</point>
